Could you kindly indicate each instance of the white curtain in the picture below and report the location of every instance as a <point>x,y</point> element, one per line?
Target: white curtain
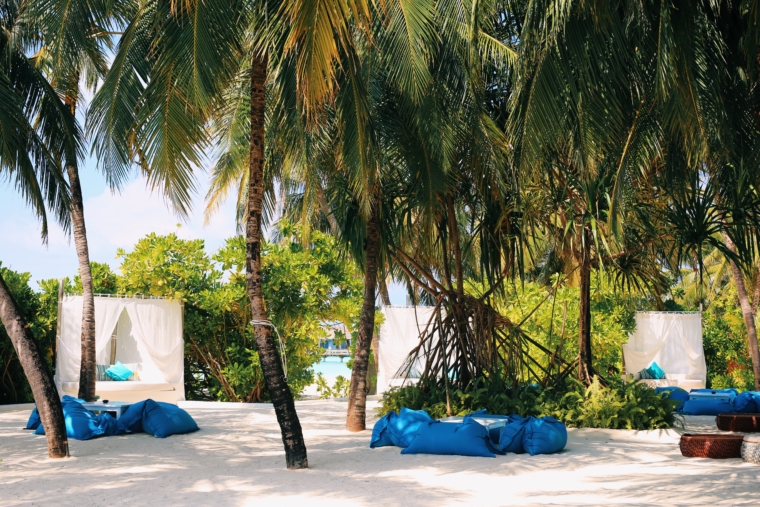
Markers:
<point>154,327</point>
<point>157,326</point>
<point>107,311</point>
<point>672,340</point>
<point>399,334</point>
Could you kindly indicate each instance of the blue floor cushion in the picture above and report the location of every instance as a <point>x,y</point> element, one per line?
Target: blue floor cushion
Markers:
<point>82,424</point>
<point>708,407</point>
<point>468,438</point>
<point>34,420</point>
<point>381,435</point>
<point>747,402</point>
<point>164,419</point>
<point>544,435</point>
<point>511,436</point>
<point>404,426</point>
<point>132,417</point>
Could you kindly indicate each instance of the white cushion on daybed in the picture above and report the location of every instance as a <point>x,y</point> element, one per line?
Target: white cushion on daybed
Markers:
<point>129,385</point>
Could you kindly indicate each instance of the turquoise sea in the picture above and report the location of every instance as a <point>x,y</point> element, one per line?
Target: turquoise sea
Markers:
<point>332,367</point>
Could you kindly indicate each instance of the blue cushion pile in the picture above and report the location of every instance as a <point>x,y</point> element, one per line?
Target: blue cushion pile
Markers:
<point>153,417</point>
<point>417,433</point>
<point>712,401</point>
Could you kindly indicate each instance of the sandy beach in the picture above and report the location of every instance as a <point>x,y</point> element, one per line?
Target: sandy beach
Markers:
<point>237,460</point>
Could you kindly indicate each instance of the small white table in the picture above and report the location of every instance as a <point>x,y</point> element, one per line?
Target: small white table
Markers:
<point>115,407</point>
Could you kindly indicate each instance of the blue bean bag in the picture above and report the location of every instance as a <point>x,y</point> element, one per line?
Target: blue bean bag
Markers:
<point>707,407</point>
<point>164,419</point>
<point>511,436</point>
<point>674,393</point>
<point>494,430</point>
<point>381,435</point>
<point>544,435</point>
<point>468,438</point>
<point>404,426</point>
<point>34,420</point>
<point>82,424</point>
<point>731,393</point>
<point>132,417</point>
<point>747,402</point>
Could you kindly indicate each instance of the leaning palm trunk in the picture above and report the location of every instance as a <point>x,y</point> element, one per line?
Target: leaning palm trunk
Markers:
<point>37,373</point>
<point>357,397</point>
<point>87,368</point>
<point>747,313</point>
<point>274,376</point>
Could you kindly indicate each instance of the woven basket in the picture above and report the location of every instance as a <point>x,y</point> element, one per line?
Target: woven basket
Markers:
<point>711,445</point>
<point>751,449</point>
<point>745,423</point>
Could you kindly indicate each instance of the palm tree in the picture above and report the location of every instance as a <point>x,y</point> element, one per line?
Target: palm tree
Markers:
<point>71,42</point>
<point>175,70</point>
<point>29,156</point>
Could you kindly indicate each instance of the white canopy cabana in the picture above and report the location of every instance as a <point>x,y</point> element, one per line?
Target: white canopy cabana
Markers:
<point>145,332</point>
<point>399,334</point>
<point>674,341</point>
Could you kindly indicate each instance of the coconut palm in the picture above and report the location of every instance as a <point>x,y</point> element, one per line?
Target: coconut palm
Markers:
<point>36,133</point>
<point>70,48</point>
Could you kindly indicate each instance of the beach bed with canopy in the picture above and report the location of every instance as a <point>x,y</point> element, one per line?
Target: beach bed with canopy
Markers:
<point>144,333</point>
<point>674,341</point>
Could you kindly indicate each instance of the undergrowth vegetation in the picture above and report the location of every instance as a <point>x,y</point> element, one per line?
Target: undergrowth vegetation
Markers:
<point>616,406</point>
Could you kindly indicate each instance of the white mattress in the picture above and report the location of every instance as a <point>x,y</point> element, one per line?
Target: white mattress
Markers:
<point>129,385</point>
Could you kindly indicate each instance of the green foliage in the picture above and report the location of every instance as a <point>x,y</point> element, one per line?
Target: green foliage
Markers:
<point>725,343</point>
<point>339,389</point>
<point>619,406</point>
<point>304,286</point>
<point>612,319</point>
<point>36,310</point>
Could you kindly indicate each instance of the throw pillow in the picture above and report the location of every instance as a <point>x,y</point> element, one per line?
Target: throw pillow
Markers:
<point>119,372</point>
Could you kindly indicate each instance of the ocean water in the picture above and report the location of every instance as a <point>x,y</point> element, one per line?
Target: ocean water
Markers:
<point>332,367</point>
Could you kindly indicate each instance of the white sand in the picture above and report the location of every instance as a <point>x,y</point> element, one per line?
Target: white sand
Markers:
<point>237,460</point>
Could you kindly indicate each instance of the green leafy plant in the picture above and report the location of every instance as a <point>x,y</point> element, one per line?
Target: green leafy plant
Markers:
<point>338,390</point>
<point>617,406</point>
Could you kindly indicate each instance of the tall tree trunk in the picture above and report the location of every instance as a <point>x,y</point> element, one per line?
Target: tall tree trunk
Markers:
<point>87,369</point>
<point>747,313</point>
<point>37,373</point>
<point>585,367</point>
<point>357,397</point>
<point>756,295</point>
<point>384,294</point>
<point>282,398</point>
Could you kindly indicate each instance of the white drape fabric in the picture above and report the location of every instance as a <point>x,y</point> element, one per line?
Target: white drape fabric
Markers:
<point>148,332</point>
<point>399,334</point>
<point>672,340</point>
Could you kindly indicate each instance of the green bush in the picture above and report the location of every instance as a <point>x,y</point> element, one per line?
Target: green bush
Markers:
<point>617,406</point>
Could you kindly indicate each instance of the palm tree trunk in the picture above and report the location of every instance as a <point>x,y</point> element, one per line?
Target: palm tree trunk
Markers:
<point>357,397</point>
<point>87,369</point>
<point>37,373</point>
<point>274,376</point>
<point>585,367</point>
<point>385,296</point>
<point>747,313</point>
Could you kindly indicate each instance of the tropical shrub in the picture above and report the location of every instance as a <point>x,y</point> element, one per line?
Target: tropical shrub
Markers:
<point>35,309</point>
<point>617,406</point>
<point>338,390</point>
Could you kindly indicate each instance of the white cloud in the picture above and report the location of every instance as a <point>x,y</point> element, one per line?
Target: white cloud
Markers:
<point>113,221</point>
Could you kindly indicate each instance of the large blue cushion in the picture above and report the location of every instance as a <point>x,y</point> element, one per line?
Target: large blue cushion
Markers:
<point>469,438</point>
<point>381,435</point>
<point>747,402</point>
<point>132,417</point>
<point>81,424</point>
<point>511,436</point>
<point>674,393</point>
<point>404,426</point>
<point>544,435</point>
<point>119,372</point>
<point>731,393</point>
<point>164,419</point>
<point>708,407</point>
<point>34,420</point>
